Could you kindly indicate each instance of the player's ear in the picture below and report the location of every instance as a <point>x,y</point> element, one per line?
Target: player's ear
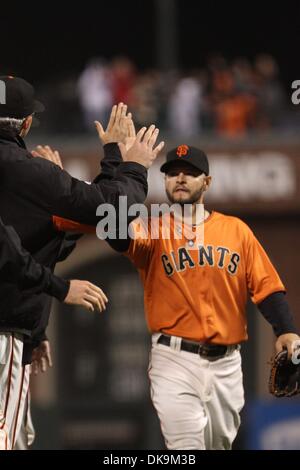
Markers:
<point>27,123</point>
<point>207,182</point>
<point>26,126</point>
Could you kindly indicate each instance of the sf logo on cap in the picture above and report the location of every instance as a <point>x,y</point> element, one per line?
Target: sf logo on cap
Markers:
<point>182,150</point>
<point>2,92</point>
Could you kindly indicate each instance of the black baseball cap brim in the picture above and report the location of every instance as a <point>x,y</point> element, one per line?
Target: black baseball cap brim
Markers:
<point>35,121</point>
<point>167,166</point>
<point>38,107</point>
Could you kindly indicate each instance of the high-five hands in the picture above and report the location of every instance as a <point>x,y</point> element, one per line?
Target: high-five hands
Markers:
<point>139,148</point>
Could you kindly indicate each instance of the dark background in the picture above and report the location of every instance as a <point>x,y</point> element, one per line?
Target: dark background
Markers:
<point>97,394</point>
<point>46,39</point>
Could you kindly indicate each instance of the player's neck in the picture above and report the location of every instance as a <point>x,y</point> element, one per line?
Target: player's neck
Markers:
<point>192,214</point>
<point>199,214</point>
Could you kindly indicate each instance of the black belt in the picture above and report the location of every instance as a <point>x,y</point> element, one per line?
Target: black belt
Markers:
<point>203,349</point>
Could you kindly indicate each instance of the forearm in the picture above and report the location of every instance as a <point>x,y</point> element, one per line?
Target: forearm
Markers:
<point>65,225</point>
<point>57,287</point>
<point>80,201</point>
<point>26,272</point>
<point>68,245</point>
<point>276,311</point>
<point>110,162</point>
<point>39,279</point>
<point>60,194</point>
<point>112,166</point>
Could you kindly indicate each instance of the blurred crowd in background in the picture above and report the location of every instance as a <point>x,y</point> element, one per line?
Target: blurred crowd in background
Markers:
<point>229,99</point>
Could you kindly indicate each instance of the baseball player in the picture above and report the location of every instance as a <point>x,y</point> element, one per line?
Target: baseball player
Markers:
<point>37,349</point>
<point>195,297</point>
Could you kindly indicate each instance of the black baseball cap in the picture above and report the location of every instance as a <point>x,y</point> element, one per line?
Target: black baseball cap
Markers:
<point>19,99</point>
<point>190,155</point>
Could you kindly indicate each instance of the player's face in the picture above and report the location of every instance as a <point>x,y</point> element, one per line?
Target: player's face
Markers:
<point>185,184</point>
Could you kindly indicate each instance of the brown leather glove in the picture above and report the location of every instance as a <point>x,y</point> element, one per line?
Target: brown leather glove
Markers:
<point>284,378</point>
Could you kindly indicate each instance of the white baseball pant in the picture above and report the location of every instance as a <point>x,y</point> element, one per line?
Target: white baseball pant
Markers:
<point>197,400</point>
<point>14,380</point>
<point>27,432</point>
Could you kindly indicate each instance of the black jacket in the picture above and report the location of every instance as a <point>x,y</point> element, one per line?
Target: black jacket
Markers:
<point>31,191</point>
<point>39,333</point>
<point>20,272</point>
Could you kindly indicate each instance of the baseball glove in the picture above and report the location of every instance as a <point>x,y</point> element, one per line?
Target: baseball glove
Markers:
<point>284,376</point>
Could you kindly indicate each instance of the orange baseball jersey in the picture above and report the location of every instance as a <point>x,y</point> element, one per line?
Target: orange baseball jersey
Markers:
<point>201,293</point>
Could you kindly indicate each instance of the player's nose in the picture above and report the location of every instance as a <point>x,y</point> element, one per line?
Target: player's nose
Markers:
<point>181,177</point>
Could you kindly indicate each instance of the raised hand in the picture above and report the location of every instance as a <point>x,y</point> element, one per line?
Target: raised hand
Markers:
<point>130,131</point>
<point>116,130</point>
<point>142,149</point>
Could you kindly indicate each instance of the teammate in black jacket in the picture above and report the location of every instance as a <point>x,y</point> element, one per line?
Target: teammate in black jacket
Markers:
<point>32,190</point>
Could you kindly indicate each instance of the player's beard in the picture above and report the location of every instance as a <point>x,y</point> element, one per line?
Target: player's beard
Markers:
<point>192,199</point>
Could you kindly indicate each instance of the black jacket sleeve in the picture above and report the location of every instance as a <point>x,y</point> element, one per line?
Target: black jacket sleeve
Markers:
<point>44,183</point>
<point>276,311</point>
<point>68,245</point>
<point>19,267</point>
<point>109,165</point>
<point>110,162</point>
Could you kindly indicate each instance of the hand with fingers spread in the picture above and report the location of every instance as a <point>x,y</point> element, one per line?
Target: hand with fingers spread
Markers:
<point>41,357</point>
<point>116,130</point>
<point>47,153</point>
<point>142,150</point>
<point>87,295</point>
<point>130,132</point>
